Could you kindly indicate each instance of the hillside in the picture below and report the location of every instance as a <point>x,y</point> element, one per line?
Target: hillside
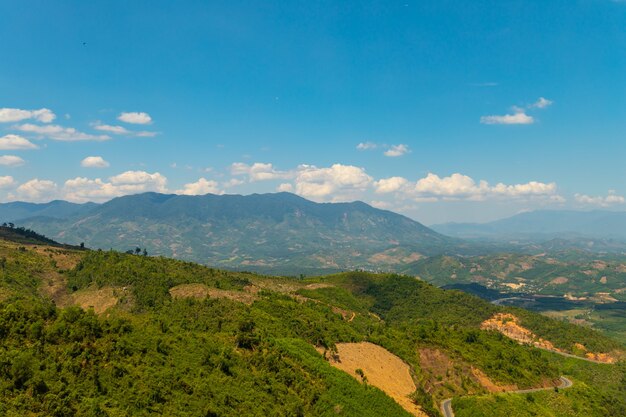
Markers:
<point>279,233</point>
<point>545,224</point>
<point>163,336</point>
<point>583,289</point>
<point>58,209</point>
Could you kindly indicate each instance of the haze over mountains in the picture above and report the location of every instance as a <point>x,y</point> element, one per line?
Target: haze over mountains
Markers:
<point>273,232</point>
<point>544,224</point>
<point>284,233</point>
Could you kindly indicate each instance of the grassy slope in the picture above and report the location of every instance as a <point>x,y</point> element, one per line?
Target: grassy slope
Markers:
<point>220,357</point>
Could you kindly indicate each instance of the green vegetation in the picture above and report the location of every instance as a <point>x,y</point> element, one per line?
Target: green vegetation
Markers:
<point>154,354</point>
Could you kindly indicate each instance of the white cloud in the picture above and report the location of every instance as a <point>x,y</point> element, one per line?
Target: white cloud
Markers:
<point>458,186</point>
<point>285,187</point>
<point>390,185</point>
<point>519,115</point>
<point>366,146</point>
<point>11,161</point>
<point>233,182</point>
<point>56,132</point>
<point>17,115</point>
<point>94,162</point>
<point>145,134</point>
<point>121,130</point>
<point>82,189</point>
<point>258,171</point>
<point>200,187</point>
<point>518,118</point>
<point>541,103</point>
<point>139,118</point>
<point>139,181</point>
<point>6,181</point>
<point>336,183</point>
<point>35,191</point>
<point>603,201</point>
<point>384,205</point>
<point>16,142</point>
<point>116,130</point>
<point>391,150</point>
<point>397,150</point>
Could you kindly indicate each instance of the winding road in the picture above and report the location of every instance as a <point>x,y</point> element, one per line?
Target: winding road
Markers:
<point>446,405</point>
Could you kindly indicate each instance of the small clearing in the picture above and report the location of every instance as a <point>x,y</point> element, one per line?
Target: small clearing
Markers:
<point>100,299</point>
<point>559,281</point>
<point>508,325</point>
<point>63,259</point>
<point>449,378</point>
<point>382,369</point>
<point>201,291</point>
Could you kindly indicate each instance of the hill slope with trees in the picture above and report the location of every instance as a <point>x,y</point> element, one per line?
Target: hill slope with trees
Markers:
<point>177,338</point>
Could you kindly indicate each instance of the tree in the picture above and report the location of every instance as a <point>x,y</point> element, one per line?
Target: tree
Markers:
<point>137,250</point>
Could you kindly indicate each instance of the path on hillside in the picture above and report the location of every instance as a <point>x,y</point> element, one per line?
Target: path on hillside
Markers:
<point>446,405</point>
<point>570,355</point>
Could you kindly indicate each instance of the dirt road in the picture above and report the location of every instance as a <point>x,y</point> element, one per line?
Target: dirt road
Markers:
<point>446,405</point>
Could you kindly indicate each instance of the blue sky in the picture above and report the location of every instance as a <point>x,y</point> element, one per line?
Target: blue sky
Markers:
<point>465,111</point>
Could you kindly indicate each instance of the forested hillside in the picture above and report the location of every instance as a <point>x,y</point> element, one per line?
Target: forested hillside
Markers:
<point>102,333</point>
<point>279,233</point>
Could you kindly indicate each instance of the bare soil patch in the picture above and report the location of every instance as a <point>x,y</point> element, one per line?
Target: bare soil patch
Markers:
<point>559,280</point>
<point>508,325</point>
<point>382,369</point>
<point>100,299</point>
<point>447,378</point>
<point>64,259</point>
<point>201,291</point>
<point>54,286</point>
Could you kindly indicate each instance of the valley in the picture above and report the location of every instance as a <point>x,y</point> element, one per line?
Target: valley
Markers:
<point>267,340</point>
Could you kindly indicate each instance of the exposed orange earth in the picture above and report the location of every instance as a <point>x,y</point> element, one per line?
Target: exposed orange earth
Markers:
<point>508,325</point>
<point>383,370</point>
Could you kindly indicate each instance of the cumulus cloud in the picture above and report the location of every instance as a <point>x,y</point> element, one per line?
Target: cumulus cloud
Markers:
<point>541,103</point>
<point>11,161</point>
<point>611,198</point>
<point>390,150</point>
<point>519,115</point>
<point>518,118</point>
<point>390,185</point>
<point>17,115</point>
<point>35,191</point>
<point>82,189</point>
<point>94,162</point>
<point>336,183</point>
<point>285,187</point>
<point>6,181</point>
<point>139,181</point>
<point>397,150</point>
<point>16,142</point>
<point>366,146</point>
<point>139,118</point>
<point>233,182</point>
<point>458,186</point>
<point>258,171</point>
<point>56,132</point>
<point>200,187</point>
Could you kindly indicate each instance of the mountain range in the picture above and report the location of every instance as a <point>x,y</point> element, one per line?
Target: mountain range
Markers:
<point>282,233</point>
<point>278,233</point>
<point>544,224</point>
